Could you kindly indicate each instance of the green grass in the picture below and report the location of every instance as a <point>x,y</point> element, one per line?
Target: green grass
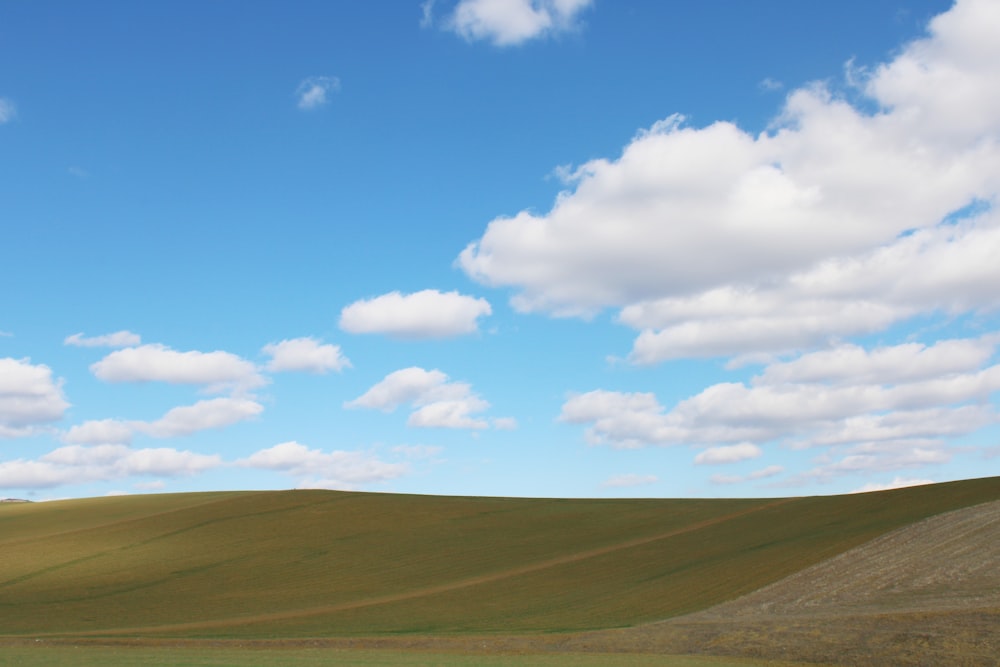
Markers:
<point>325,563</point>
<point>90,656</point>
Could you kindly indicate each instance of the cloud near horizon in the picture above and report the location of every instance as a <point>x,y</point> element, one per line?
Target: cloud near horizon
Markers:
<point>79,463</point>
<point>885,409</point>
<point>314,468</point>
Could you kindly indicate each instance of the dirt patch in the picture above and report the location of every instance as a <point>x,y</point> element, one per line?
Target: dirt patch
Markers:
<point>927,594</point>
<point>948,562</point>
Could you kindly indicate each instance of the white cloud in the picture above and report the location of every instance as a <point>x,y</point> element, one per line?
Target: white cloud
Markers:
<point>763,473</point>
<point>876,457</point>
<point>770,85</point>
<point>314,468</point>
<point>305,354</point>
<point>99,432</point>
<point>312,93</point>
<point>424,314</point>
<point>838,221</point>
<point>427,13</point>
<point>158,363</point>
<point>853,364</point>
<point>29,397</point>
<point>511,22</point>
<point>7,111</point>
<point>116,339</point>
<point>450,414</point>
<point>896,483</point>
<point>728,454</point>
<point>885,409</point>
<point>436,402</point>
<point>74,464</point>
<point>408,385</point>
<point>177,422</point>
<point>629,479</point>
<point>188,419</point>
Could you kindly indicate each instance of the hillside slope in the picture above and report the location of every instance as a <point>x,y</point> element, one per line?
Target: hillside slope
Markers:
<point>925,594</point>
<point>324,563</point>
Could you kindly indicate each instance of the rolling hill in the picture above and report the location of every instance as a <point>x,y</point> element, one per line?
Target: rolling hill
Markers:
<point>294,564</point>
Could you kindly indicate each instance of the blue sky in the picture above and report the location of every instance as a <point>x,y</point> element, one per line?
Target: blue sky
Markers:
<point>498,247</point>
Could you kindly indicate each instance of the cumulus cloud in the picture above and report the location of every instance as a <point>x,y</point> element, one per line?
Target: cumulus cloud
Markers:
<point>116,339</point>
<point>177,422</point>
<point>217,370</point>
<point>188,419</point>
<point>313,92</point>
<point>99,432</point>
<point>305,354</point>
<point>839,220</point>
<point>436,402</point>
<point>7,111</point>
<point>510,22</point>
<point>74,464</point>
<point>728,454</point>
<point>629,479</point>
<point>885,409</point>
<point>29,397</point>
<point>314,468</point>
<point>424,314</point>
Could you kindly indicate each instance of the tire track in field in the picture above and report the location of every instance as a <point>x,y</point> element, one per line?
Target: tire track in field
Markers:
<point>432,590</point>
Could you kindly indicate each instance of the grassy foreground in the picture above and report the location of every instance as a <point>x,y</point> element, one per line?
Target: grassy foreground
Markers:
<point>234,657</point>
<point>327,564</point>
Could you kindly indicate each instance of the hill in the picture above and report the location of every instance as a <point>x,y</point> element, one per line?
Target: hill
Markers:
<point>328,564</point>
<point>927,593</point>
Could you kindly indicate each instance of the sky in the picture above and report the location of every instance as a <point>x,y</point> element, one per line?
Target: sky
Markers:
<point>548,248</point>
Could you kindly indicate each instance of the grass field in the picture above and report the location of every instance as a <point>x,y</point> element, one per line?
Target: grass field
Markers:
<point>91,656</point>
<point>327,564</point>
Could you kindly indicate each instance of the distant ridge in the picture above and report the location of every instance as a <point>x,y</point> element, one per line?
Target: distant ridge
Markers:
<point>14,500</point>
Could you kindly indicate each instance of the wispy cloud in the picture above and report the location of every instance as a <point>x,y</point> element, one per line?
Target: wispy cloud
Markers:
<point>7,111</point>
<point>896,483</point>
<point>763,473</point>
<point>314,91</point>
<point>629,480</point>
<point>770,85</point>
<point>117,339</point>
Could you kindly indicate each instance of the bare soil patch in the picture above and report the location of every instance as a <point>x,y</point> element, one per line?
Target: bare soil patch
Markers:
<point>927,594</point>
